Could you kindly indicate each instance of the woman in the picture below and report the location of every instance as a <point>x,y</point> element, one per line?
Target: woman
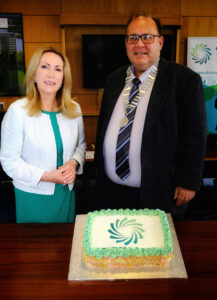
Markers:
<point>42,142</point>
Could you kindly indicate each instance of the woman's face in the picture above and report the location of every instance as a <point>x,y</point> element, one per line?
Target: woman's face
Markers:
<point>49,74</point>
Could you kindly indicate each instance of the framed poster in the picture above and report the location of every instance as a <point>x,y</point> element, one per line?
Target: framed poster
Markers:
<point>12,62</point>
<point>202,58</point>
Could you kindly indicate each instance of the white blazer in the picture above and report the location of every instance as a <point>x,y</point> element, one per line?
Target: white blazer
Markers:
<point>28,147</point>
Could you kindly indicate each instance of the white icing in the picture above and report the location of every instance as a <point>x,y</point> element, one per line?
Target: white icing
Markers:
<point>152,235</point>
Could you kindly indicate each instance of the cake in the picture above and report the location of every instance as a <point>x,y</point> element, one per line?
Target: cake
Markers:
<point>125,238</point>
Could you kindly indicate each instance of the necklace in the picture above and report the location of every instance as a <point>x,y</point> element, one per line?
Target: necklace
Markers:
<point>129,107</point>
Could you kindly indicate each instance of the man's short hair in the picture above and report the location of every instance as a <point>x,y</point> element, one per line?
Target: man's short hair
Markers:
<point>144,14</point>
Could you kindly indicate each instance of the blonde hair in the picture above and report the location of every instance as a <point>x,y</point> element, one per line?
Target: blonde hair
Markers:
<point>66,105</point>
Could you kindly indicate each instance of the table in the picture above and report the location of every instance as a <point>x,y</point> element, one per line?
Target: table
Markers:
<point>34,262</point>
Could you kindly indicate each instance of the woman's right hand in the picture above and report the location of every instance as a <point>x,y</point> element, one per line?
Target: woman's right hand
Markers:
<point>55,176</point>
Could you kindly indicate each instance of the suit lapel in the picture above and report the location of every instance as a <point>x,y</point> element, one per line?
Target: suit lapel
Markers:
<point>115,91</point>
<point>158,97</point>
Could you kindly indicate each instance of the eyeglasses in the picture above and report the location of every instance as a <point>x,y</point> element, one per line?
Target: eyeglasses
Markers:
<point>146,38</point>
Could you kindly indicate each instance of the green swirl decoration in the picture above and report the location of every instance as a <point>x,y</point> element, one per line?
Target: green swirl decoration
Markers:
<point>201,54</point>
<point>135,234</point>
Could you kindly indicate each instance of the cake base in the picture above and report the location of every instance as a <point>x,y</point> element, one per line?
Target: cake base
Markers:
<point>79,272</point>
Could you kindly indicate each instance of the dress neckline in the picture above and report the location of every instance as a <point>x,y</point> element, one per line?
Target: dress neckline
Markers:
<point>50,112</point>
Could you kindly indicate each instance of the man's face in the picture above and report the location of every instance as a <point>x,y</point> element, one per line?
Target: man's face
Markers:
<point>141,55</point>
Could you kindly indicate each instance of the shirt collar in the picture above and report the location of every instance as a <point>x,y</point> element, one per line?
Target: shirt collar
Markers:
<point>141,77</point>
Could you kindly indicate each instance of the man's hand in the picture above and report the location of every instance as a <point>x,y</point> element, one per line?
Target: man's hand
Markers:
<point>183,195</point>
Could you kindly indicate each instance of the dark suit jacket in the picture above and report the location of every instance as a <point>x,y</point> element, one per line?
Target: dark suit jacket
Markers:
<point>174,135</point>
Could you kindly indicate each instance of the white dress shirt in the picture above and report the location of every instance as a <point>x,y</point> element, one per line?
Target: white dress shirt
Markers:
<point>110,141</point>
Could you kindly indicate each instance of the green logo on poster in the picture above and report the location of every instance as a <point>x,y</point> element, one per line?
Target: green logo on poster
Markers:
<point>201,54</point>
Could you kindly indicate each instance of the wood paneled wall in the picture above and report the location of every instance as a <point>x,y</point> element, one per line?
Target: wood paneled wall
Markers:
<point>43,25</point>
<point>121,7</point>
<point>40,22</point>
<point>199,19</point>
<point>199,8</point>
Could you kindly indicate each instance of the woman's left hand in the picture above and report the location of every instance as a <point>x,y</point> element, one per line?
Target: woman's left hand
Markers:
<point>69,171</point>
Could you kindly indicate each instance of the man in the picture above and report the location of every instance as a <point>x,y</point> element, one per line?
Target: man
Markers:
<point>168,136</point>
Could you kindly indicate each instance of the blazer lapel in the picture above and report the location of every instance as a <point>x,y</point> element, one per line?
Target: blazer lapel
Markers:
<point>113,95</point>
<point>158,97</point>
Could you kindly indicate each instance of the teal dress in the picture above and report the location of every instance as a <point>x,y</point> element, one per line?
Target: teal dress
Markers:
<point>56,208</point>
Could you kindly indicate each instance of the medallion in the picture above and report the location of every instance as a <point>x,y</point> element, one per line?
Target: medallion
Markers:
<point>124,122</point>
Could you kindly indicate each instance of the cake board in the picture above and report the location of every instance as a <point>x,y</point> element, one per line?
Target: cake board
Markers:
<point>79,272</point>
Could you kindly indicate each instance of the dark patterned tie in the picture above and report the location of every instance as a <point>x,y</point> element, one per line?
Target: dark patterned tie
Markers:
<point>123,140</point>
